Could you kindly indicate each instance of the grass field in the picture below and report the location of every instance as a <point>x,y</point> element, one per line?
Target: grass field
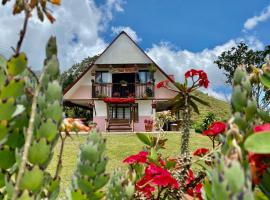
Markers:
<point>119,146</point>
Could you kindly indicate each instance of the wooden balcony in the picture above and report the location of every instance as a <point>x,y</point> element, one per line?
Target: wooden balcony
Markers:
<point>136,90</point>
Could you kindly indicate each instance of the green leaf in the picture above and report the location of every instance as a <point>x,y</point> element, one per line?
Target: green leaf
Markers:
<point>32,179</point>
<point>15,138</point>
<point>3,76</point>
<point>53,92</point>
<point>265,80</point>
<point>264,115</point>
<point>239,99</point>
<point>3,62</point>
<point>264,184</point>
<point>3,130</point>
<point>194,106</point>
<point>153,154</point>
<point>251,109</point>
<point>53,67</point>
<point>53,111</point>
<point>235,177</point>
<point>7,157</point>
<point>101,181</point>
<point>90,153</point>
<point>13,88</point>
<point>77,195</point>
<point>200,100</point>
<point>17,64</point>
<point>144,138</point>
<point>258,143</point>
<point>7,108</point>
<point>47,130</point>
<point>238,76</point>
<point>25,196</point>
<point>2,179</point>
<point>39,152</point>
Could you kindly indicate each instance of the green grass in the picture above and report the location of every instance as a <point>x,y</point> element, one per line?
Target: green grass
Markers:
<point>119,146</point>
<point>220,108</point>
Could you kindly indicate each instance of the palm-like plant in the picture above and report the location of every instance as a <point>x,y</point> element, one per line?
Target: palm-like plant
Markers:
<point>185,100</point>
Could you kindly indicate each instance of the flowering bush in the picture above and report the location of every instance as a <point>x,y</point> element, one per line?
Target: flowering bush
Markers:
<point>162,118</point>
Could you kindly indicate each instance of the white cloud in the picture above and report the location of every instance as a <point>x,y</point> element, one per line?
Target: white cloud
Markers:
<point>128,30</point>
<point>252,22</point>
<point>177,62</point>
<point>77,28</point>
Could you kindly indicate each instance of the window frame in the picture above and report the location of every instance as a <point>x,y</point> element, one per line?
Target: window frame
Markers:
<point>101,72</point>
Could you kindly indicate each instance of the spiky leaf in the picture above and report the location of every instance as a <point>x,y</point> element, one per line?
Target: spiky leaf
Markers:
<point>7,108</point>
<point>265,79</point>
<point>39,152</point>
<point>7,157</point>
<point>48,130</point>
<point>144,138</point>
<point>54,92</point>
<point>17,64</point>
<point>32,179</point>
<point>13,88</point>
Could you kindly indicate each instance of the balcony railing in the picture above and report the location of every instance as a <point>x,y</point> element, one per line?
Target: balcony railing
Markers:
<point>136,90</point>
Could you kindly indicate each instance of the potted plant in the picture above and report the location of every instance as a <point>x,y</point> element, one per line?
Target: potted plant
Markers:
<point>149,92</point>
<point>148,124</point>
<point>93,73</point>
<point>152,68</point>
<point>123,83</point>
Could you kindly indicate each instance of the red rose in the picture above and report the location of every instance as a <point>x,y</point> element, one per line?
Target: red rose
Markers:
<point>200,152</point>
<point>215,128</point>
<point>262,128</point>
<point>137,158</point>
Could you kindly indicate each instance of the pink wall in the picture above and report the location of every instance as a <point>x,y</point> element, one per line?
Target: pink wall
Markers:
<point>138,127</point>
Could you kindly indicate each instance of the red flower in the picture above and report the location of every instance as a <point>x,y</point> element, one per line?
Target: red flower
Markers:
<point>137,158</point>
<point>203,79</point>
<point>215,128</point>
<point>155,175</point>
<point>163,83</point>
<point>196,191</point>
<point>262,128</point>
<point>200,152</point>
<point>144,187</point>
<point>258,165</point>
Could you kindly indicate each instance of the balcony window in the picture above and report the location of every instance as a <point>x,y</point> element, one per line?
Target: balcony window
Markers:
<point>144,76</point>
<point>102,77</point>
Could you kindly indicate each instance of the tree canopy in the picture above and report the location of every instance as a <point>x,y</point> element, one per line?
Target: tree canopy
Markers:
<point>251,59</point>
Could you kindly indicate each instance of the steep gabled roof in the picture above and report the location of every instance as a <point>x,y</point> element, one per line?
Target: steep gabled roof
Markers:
<point>97,61</point>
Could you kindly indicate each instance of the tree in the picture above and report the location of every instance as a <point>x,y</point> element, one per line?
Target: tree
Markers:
<point>229,60</point>
<point>68,76</point>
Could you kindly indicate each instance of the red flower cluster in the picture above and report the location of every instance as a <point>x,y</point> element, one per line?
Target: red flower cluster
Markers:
<point>203,79</point>
<point>141,157</point>
<point>194,191</point>
<point>155,176</point>
<point>215,128</point>
<point>200,152</point>
<point>259,162</point>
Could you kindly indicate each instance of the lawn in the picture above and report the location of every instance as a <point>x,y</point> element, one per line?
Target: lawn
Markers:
<point>118,147</point>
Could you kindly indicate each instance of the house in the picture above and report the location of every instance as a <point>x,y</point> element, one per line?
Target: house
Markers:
<point>120,87</point>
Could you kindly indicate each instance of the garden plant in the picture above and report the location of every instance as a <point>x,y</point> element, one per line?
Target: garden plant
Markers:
<point>32,121</point>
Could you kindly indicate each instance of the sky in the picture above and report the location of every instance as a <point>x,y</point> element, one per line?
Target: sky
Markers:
<point>178,35</point>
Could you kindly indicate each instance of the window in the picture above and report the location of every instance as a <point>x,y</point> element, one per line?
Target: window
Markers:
<point>102,77</point>
<point>123,111</point>
<point>144,76</point>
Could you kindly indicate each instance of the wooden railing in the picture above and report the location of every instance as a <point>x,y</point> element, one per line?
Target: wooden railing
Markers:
<point>137,90</point>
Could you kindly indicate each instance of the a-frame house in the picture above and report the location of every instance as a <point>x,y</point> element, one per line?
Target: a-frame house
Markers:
<point>120,87</point>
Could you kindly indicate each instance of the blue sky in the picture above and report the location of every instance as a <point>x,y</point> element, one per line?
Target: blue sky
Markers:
<point>190,24</point>
<point>178,35</point>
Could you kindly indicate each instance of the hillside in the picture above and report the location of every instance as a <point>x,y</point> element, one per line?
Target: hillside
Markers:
<point>220,108</point>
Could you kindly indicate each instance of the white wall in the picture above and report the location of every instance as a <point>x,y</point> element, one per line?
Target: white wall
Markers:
<point>123,51</point>
<point>101,108</point>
